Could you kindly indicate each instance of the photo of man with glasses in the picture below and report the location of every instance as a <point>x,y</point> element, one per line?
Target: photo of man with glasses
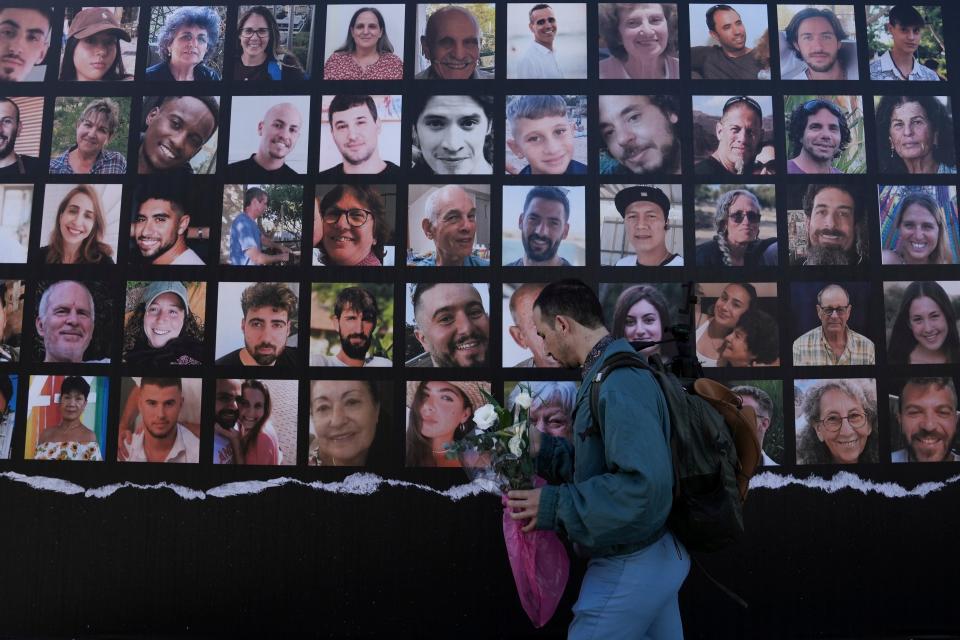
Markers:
<point>833,342</point>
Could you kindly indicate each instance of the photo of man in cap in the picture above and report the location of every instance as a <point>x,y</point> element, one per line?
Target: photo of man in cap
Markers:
<point>646,215</point>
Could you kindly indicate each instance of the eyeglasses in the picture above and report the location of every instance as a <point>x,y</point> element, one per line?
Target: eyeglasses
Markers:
<point>753,104</point>
<point>856,420</point>
<point>753,217</point>
<point>829,311</point>
<point>248,33</point>
<point>355,217</point>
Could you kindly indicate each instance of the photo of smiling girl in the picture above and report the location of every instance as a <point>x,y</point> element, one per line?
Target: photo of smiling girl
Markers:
<point>80,223</point>
<point>164,323</point>
<point>918,225</point>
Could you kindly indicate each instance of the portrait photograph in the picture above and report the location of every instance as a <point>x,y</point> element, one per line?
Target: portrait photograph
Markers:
<point>90,135</point>
<point>159,420</point>
<point>66,418</point>
<point>827,225</point>
<point>522,346</point>
<point>185,43</point>
<point>273,43</point>
<point>163,323</point>
<point>906,42</point>
<point>261,224</point>
<point>449,225</point>
<point>825,134</point>
<point>354,225</point>
<point>735,225</point>
<point>641,225</point>
<point>833,323</point>
<point>640,135</point>
<point>170,221</point>
<point>919,224</point>
<point>8,413</point>
<point>921,322</point>
<point>367,405</point>
<point>923,419</point>
<point>351,324</point>
<point>74,321</point>
<point>28,48</point>
<point>268,136</point>
<point>264,431</point>
<point>729,42</point>
<point>364,42</point>
<point>11,320</point>
<point>551,410</point>
<point>915,134</point>
<point>765,397</point>
<point>544,226</point>
<point>453,135</point>
<point>646,312</point>
<point>81,223</point>
<point>21,124</point>
<point>257,324</point>
<point>835,421</point>
<point>546,135</point>
<point>360,136</point>
<point>455,42</point>
<point>737,324</point>
<point>733,135</point>
<point>16,206</point>
<point>438,413</point>
<point>817,42</point>
<point>639,41</point>
<point>164,150</point>
<point>447,324</point>
<point>546,42</point>
<point>100,43</point>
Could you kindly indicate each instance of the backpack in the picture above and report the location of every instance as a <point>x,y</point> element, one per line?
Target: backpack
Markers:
<point>715,450</point>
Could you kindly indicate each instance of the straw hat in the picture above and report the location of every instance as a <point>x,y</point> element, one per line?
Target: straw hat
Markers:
<point>471,389</point>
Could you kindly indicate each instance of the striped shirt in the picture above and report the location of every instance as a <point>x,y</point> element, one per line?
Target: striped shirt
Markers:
<point>811,350</point>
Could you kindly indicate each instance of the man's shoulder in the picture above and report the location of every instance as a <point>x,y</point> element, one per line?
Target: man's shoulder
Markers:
<point>188,257</point>
<point>232,359</point>
<point>336,171</point>
<point>480,74</point>
<point>377,361</point>
<point>709,165</point>
<point>813,335</point>
<point>289,357</point>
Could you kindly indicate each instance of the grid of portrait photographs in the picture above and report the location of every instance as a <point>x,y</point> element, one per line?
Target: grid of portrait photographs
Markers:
<point>276,234</point>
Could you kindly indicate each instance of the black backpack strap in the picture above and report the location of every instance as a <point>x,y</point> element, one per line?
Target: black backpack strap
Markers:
<point>619,360</point>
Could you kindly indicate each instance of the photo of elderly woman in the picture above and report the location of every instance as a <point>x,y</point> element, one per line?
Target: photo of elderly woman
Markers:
<point>836,421</point>
<point>354,225</point>
<point>185,43</point>
<point>915,134</point>
<point>8,413</point>
<point>349,422</point>
<point>80,223</point>
<point>371,48</point>
<point>439,412</point>
<point>265,427</point>
<point>919,225</point>
<point>66,418</point>
<point>720,310</point>
<point>922,322</point>
<point>273,43</point>
<point>163,323</point>
<point>92,134</point>
<point>638,41</point>
<point>546,41</point>
<point>101,44</point>
<point>453,135</point>
<point>736,225</point>
<point>551,411</point>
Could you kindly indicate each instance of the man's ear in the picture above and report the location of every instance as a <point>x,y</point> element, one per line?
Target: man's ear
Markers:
<point>517,336</point>
<point>515,148</point>
<point>420,338</point>
<point>260,128</point>
<point>39,323</point>
<point>427,228</point>
<point>673,118</point>
<point>718,129</point>
<point>183,224</point>
<point>152,115</point>
<point>425,48</point>
<point>566,230</point>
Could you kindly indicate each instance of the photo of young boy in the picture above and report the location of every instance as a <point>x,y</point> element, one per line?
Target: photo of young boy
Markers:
<point>549,133</point>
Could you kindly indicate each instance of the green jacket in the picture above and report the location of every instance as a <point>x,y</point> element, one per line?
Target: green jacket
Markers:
<point>617,488</point>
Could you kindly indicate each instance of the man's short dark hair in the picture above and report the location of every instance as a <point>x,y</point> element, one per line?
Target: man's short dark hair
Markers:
<point>209,102</point>
<point>251,194</point>
<point>74,384</point>
<point>163,383</point>
<point>46,12</point>
<point>537,7</point>
<point>811,194</point>
<point>764,402</point>
<point>418,291</point>
<point>762,337</point>
<point>905,15</point>
<point>548,193</point>
<point>16,108</point>
<point>573,298</point>
<point>798,124</point>
<point>344,102</point>
<point>711,23</point>
<point>269,294</point>
<point>165,189</point>
<point>805,14</point>
<point>358,299</point>
<point>939,383</point>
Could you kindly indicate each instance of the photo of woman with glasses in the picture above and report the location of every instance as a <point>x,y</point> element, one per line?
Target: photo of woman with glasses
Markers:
<point>353,229</point>
<point>837,421</point>
<point>736,240</point>
<point>187,39</point>
<point>261,56</point>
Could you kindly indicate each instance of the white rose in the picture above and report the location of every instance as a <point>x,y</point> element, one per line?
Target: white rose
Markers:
<point>523,400</point>
<point>516,445</point>
<point>484,417</point>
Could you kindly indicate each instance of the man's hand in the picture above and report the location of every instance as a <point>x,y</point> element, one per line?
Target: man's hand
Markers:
<point>525,505</point>
<point>124,440</point>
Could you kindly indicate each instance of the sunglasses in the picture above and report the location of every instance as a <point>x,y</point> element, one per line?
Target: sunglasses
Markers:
<point>753,217</point>
<point>745,99</point>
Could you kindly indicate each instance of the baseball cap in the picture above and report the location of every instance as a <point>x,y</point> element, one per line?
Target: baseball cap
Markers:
<point>626,197</point>
<point>155,289</point>
<point>96,20</point>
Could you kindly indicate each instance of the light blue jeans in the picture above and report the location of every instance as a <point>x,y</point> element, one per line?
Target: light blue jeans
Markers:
<point>633,596</point>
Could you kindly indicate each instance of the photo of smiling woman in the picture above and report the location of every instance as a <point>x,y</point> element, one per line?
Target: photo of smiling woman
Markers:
<point>262,50</point>
<point>161,326</point>
<point>345,420</point>
<point>919,225</point>
<point>93,135</point>
<point>187,43</point>
<point>66,418</point>
<point>81,223</point>
<point>93,50</point>
<point>367,51</point>
<point>640,41</point>
<point>354,225</point>
<point>720,309</point>
<point>453,135</point>
<point>836,421</point>
<point>922,322</point>
<point>262,429</point>
<point>439,412</point>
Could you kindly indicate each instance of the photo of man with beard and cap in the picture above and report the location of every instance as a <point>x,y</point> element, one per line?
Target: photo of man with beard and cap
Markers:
<point>544,227</point>
<point>826,225</point>
<point>177,136</point>
<point>728,133</point>
<point>15,115</point>
<point>268,323</point>
<point>448,324</point>
<point>167,222</point>
<point>639,135</point>
<point>351,325</point>
<point>273,152</point>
